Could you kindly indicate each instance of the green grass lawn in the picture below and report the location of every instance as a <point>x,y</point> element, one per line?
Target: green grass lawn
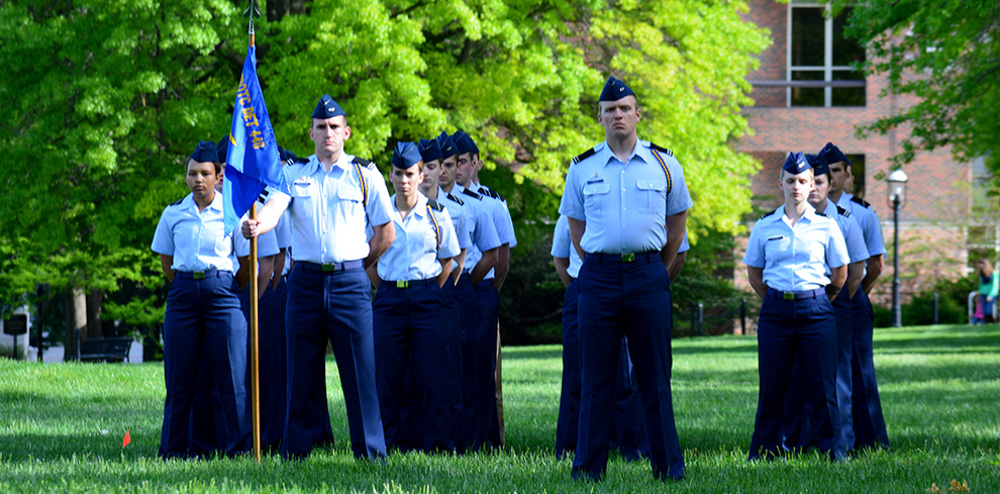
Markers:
<point>61,429</point>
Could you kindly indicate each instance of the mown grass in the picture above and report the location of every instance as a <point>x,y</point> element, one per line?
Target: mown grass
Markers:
<point>61,428</point>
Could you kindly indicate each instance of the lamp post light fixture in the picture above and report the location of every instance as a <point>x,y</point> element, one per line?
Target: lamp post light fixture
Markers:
<point>897,199</point>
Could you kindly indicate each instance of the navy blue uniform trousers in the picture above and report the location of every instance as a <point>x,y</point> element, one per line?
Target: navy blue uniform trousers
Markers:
<point>330,306</point>
<point>789,329</point>
<point>483,350</point>
<point>633,299</point>
<point>798,424</point>
<point>411,337</point>
<point>203,316</point>
<point>869,423</point>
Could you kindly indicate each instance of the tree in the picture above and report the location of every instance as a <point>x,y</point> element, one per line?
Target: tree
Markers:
<point>104,99</point>
<point>944,55</point>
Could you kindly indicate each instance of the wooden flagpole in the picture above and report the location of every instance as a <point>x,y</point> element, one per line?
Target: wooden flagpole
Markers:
<point>251,13</point>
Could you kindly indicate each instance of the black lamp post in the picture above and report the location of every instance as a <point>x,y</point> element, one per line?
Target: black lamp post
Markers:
<point>897,199</point>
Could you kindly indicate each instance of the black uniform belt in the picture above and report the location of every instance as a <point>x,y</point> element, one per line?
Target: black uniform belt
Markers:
<point>409,283</point>
<point>626,257</point>
<point>199,275</point>
<point>798,295</point>
<point>332,266</point>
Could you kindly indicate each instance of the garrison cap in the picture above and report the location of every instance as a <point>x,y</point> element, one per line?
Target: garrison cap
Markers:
<point>206,152</point>
<point>465,143</point>
<point>327,108</point>
<point>448,147</point>
<point>405,155</point>
<point>615,90</point>
<point>429,150</point>
<point>833,154</point>
<point>796,163</point>
<point>223,147</point>
<point>818,164</point>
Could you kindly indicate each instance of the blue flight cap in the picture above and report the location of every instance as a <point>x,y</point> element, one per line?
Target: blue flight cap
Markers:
<point>429,150</point>
<point>448,147</point>
<point>206,152</point>
<point>327,108</point>
<point>405,155</point>
<point>796,163</point>
<point>818,164</point>
<point>223,147</point>
<point>615,90</point>
<point>833,154</point>
<point>465,143</point>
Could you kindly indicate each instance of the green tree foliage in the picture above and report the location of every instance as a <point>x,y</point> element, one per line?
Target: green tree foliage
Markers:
<point>946,54</point>
<point>104,99</point>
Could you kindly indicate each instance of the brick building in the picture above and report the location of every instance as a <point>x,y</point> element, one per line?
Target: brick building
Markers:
<point>806,94</point>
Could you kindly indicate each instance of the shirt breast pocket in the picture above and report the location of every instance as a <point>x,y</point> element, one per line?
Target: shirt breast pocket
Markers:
<point>303,189</point>
<point>653,196</point>
<point>351,199</point>
<point>594,196</point>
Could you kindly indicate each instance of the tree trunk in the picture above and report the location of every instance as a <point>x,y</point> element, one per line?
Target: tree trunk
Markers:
<point>76,322</point>
<point>94,325</point>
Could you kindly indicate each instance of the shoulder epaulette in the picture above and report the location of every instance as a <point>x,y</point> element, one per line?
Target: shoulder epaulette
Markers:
<point>586,154</point>
<point>843,212</point>
<point>262,198</point>
<point>435,205</point>
<point>178,201</point>
<point>365,163</point>
<point>661,149</point>
<point>487,192</point>
<point>765,215</point>
<point>821,213</point>
<point>300,161</point>
<point>452,198</point>
<point>472,194</point>
<point>860,201</point>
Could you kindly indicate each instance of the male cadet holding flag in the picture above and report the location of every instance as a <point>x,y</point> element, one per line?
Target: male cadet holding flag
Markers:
<point>869,423</point>
<point>626,201</point>
<point>476,334</point>
<point>333,199</point>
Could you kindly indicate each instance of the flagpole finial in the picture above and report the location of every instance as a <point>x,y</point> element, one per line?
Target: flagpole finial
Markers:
<point>252,11</point>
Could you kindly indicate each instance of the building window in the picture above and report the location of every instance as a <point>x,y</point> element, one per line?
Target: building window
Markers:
<point>818,51</point>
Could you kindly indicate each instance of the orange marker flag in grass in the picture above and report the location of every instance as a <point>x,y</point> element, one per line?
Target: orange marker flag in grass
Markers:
<point>127,439</point>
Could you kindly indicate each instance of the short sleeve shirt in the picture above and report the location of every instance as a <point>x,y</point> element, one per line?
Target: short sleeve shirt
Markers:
<point>196,239</point>
<point>423,237</point>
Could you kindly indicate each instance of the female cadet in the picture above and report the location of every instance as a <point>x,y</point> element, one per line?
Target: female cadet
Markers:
<point>796,430</point>
<point>787,258</point>
<point>409,305</point>
<point>203,314</point>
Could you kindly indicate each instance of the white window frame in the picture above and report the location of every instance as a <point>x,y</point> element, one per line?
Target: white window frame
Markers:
<point>828,68</point>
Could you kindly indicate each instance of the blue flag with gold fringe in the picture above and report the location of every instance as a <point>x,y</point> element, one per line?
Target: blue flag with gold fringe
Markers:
<point>252,161</point>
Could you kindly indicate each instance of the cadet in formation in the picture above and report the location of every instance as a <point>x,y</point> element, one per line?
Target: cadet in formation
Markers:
<point>869,423</point>
<point>409,303</point>
<point>626,202</point>
<point>789,253</point>
<point>797,430</point>
<point>334,199</point>
<point>203,313</point>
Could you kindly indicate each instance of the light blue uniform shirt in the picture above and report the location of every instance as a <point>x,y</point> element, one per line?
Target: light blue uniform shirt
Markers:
<point>267,243</point>
<point>425,236</point>
<point>869,222</point>
<point>500,214</point>
<point>562,246</point>
<point>796,258</point>
<point>197,240</point>
<point>625,204</point>
<point>853,237</point>
<point>459,217</point>
<point>329,212</point>
<point>482,229</point>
